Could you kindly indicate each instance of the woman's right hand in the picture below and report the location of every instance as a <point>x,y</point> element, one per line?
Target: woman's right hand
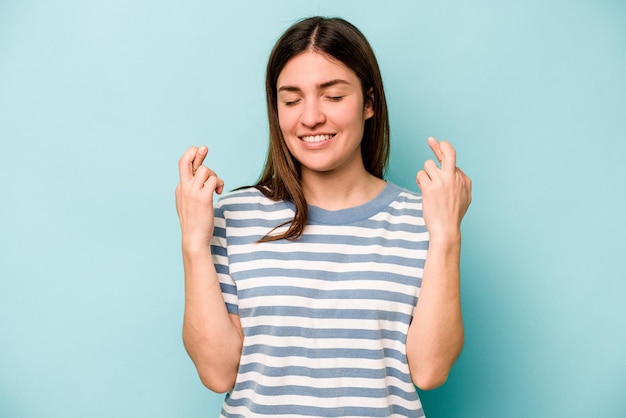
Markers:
<point>194,198</point>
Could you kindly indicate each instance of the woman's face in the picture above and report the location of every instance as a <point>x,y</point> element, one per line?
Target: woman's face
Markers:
<point>322,113</point>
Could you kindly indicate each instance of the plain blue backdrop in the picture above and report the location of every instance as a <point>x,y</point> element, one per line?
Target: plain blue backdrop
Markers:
<point>99,99</point>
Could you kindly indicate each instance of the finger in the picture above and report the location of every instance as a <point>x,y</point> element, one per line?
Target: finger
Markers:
<point>202,177</point>
<point>422,179</point>
<point>215,184</point>
<point>199,158</point>
<point>430,168</point>
<point>211,183</point>
<point>464,176</point>
<point>466,180</point>
<point>220,186</point>
<point>185,164</point>
<point>448,162</point>
<point>436,148</point>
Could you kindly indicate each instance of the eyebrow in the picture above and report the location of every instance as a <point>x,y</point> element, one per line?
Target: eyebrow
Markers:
<point>324,85</point>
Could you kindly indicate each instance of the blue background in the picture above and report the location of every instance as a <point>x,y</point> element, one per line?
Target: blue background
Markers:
<point>99,99</point>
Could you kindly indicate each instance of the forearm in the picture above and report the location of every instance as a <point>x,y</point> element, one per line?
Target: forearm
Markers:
<point>435,336</point>
<point>211,338</point>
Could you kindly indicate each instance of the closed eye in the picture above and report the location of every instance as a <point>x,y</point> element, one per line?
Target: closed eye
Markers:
<point>334,98</point>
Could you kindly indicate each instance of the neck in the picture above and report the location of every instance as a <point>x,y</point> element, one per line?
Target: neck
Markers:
<point>335,191</point>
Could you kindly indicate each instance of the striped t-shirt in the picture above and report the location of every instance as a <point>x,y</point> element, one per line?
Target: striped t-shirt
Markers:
<point>324,317</point>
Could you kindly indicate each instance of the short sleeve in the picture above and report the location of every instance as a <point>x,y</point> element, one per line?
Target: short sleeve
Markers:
<point>219,251</point>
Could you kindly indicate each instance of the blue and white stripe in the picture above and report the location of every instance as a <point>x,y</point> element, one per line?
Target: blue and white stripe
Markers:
<point>324,317</point>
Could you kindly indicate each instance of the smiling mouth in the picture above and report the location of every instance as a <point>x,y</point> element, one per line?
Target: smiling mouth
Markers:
<point>316,138</point>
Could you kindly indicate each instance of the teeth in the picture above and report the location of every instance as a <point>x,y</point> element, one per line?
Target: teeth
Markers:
<point>316,138</point>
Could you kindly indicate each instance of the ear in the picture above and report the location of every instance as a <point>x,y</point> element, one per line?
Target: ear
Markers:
<point>369,104</point>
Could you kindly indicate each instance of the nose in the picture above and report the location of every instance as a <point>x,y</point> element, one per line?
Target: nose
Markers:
<point>312,114</point>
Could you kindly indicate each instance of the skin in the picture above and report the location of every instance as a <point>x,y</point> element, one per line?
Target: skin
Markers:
<point>213,337</point>
<point>333,177</point>
<point>436,336</point>
<point>318,95</point>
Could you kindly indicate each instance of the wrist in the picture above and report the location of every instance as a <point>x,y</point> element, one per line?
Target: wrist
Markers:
<point>445,236</point>
<point>196,247</point>
<point>196,259</point>
<point>448,244</point>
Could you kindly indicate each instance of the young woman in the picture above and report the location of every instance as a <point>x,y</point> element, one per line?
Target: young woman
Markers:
<point>324,290</point>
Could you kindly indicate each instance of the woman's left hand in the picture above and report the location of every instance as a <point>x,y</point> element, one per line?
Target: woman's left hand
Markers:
<point>446,192</point>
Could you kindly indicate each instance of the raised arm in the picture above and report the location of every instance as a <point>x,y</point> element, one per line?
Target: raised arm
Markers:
<point>212,337</point>
<point>435,337</point>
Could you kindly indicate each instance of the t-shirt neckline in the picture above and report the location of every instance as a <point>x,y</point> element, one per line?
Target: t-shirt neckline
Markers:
<point>354,214</point>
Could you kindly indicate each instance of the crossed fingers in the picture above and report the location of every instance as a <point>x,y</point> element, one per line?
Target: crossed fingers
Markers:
<point>445,153</point>
<point>192,171</point>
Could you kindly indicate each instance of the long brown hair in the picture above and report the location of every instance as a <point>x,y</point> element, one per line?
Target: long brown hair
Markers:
<point>342,41</point>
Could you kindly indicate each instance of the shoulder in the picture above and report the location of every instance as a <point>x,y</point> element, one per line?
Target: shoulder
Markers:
<point>402,209</point>
<point>249,199</point>
<point>405,198</point>
<point>241,196</point>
